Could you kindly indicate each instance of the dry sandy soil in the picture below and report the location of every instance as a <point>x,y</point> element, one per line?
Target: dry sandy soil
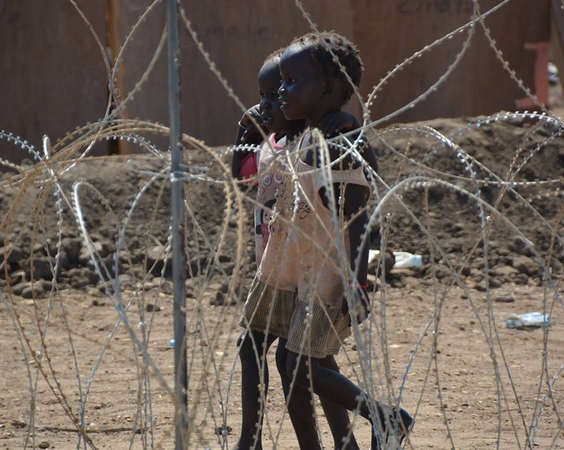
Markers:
<point>82,354</point>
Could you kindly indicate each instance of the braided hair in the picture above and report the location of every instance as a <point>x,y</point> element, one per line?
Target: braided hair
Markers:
<point>275,55</point>
<point>336,55</point>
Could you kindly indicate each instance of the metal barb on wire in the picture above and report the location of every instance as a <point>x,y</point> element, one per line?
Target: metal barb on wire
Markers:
<point>178,253</point>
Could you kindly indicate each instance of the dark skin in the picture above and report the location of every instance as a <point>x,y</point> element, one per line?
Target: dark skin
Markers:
<point>266,117</point>
<point>253,129</point>
<point>254,344</point>
<point>308,93</point>
<point>247,133</point>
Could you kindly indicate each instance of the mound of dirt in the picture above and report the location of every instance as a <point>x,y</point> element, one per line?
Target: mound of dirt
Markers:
<point>486,200</point>
<point>476,195</point>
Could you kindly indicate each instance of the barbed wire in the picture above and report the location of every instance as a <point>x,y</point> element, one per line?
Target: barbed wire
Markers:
<point>58,199</point>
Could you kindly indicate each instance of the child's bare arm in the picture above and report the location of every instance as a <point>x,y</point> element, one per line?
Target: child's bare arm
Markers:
<point>369,155</point>
<point>337,122</point>
<point>340,122</point>
<point>247,133</point>
<point>355,203</point>
<point>355,208</point>
<point>251,133</point>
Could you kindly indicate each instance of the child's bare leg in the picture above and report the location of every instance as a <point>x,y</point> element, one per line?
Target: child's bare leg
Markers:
<point>338,389</point>
<point>300,405</point>
<point>301,411</point>
<point>337,416</point>
<point>251,353</point>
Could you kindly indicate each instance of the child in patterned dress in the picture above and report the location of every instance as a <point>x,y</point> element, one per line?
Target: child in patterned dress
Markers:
<point>318,230</point>
<point>269,308</point>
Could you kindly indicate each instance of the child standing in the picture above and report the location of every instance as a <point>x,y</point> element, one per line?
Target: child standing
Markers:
<point>268,309</point>
<point>317,229</point>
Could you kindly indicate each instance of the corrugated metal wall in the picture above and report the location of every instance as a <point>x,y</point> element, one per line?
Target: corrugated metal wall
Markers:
<point>52,74</point>
<point>53,78</point>
<point>388,32</point>
<point>237,35</point>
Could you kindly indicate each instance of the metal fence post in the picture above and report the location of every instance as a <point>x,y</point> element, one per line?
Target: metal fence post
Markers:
<point>177,225</point>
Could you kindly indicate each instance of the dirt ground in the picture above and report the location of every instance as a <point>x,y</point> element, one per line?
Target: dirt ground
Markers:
<point>464,396</point>
<point>89,364</point>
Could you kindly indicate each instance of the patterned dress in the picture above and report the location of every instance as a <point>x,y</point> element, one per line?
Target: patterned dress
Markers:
<point>308,251</point>
<point>268,308</point>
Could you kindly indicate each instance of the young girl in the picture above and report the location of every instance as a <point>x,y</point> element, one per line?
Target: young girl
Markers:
<point>268,309</point>
<point>317,228</point>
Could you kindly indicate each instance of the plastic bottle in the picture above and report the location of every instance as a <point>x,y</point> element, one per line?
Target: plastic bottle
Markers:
<point>528,320</point>
<point>405,260</point>
<point>373,255</point>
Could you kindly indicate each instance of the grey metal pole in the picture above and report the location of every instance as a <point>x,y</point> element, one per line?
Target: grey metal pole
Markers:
<point>177,222</point>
